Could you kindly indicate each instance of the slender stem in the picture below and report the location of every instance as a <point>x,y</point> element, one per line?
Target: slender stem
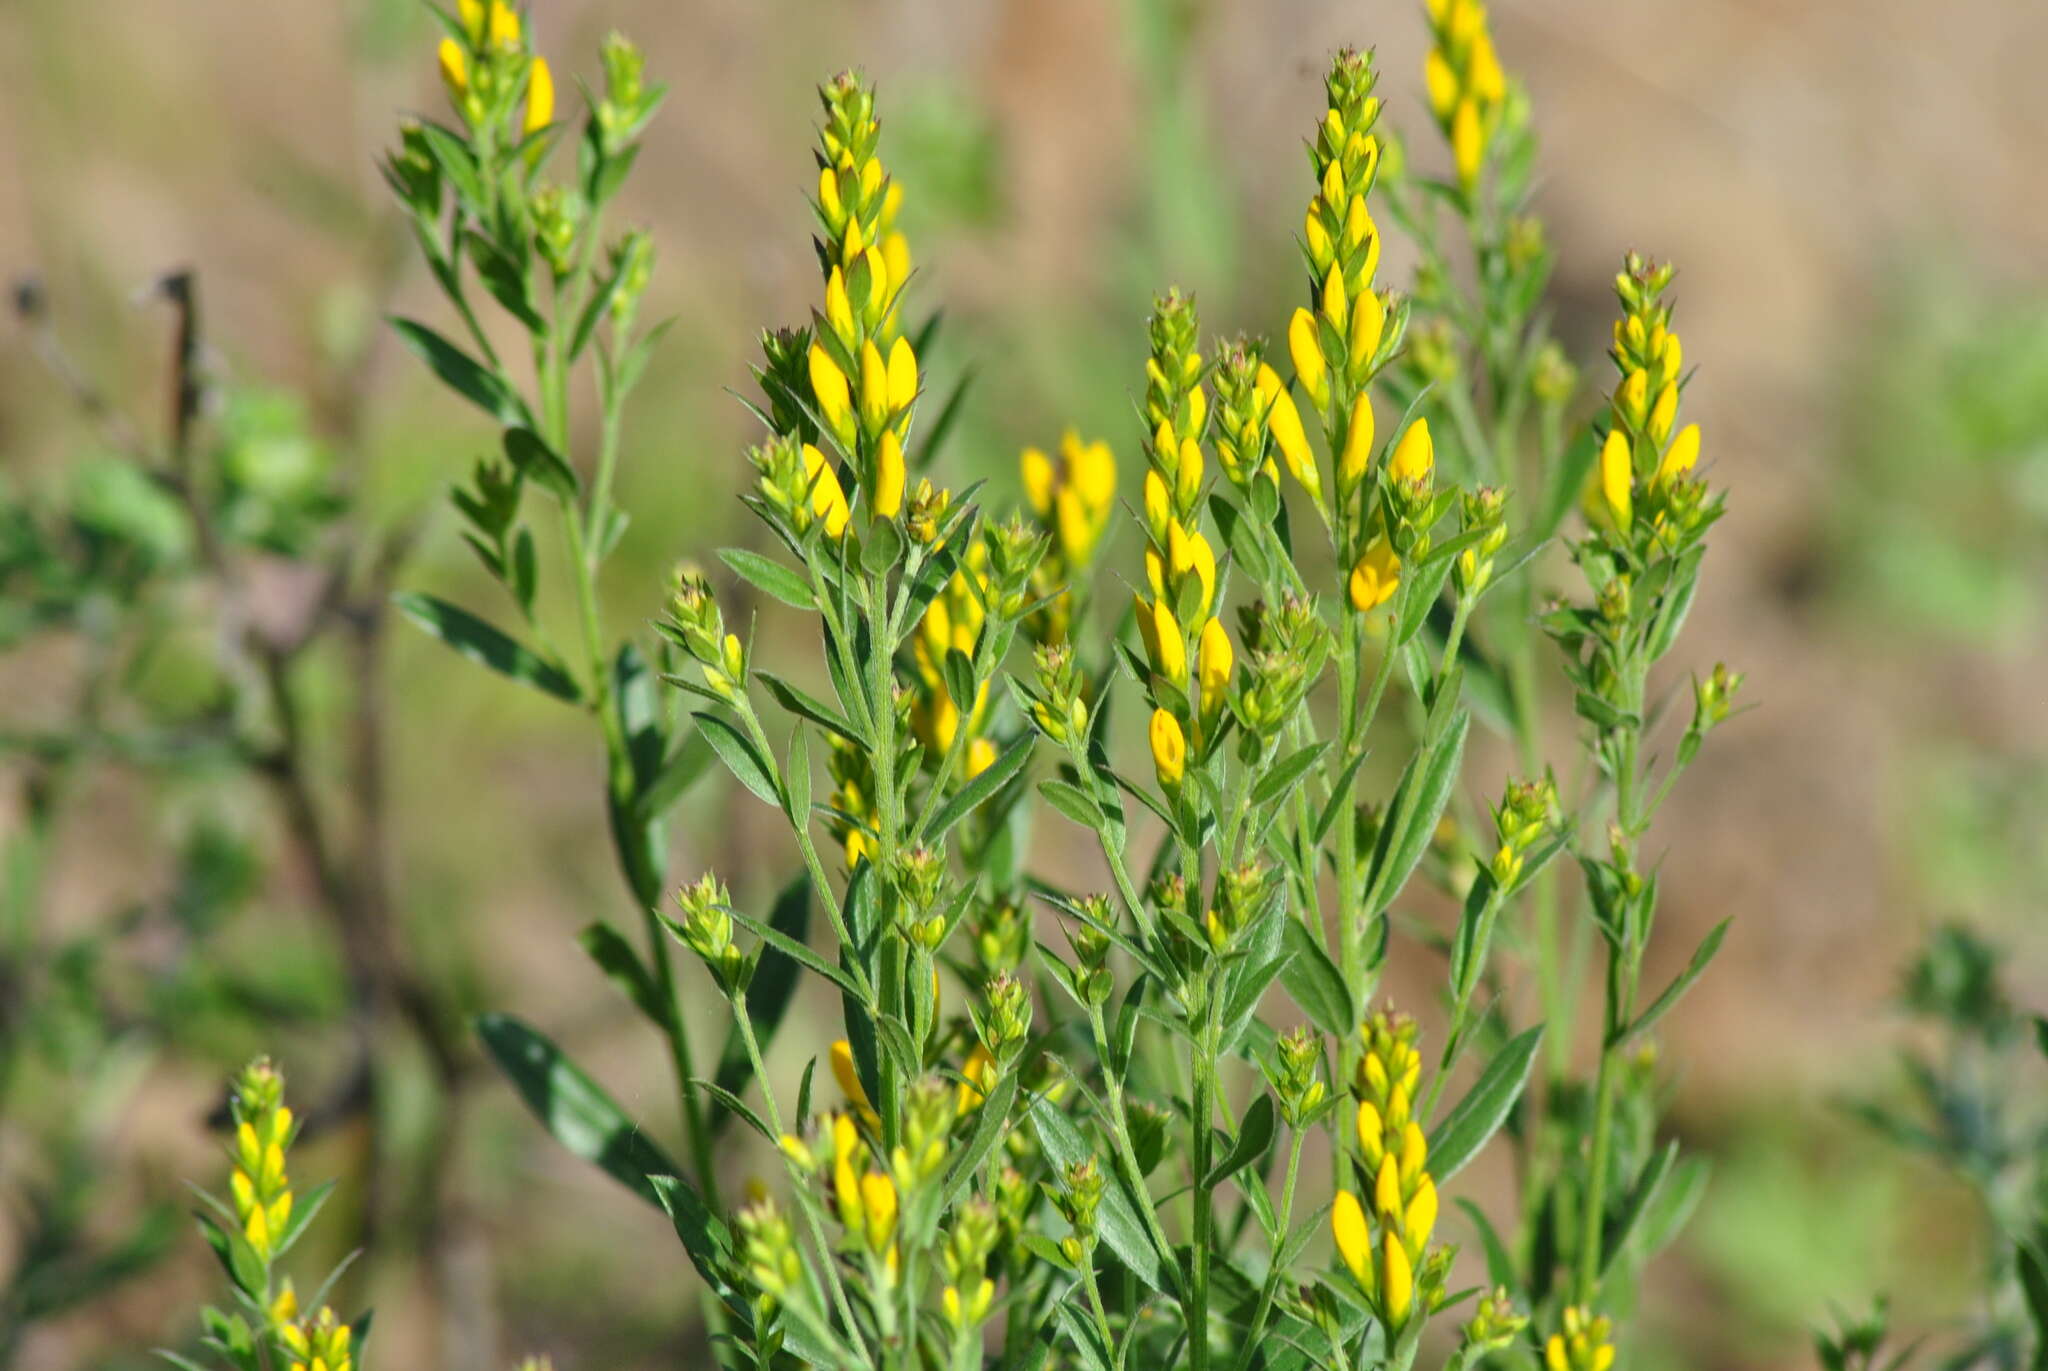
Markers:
<point>1276,1273</point>
<point>1204,1083</point>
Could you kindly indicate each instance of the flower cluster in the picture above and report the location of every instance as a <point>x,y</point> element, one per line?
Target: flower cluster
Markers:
<point>1465,80</point>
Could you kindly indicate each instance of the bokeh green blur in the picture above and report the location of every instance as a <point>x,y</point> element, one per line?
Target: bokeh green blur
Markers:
<point>1850,193</point>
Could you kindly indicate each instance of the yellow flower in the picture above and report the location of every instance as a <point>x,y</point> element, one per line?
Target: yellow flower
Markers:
<point>540,96</point>
<point>1164,646</point>
<point>1368,325</point>
<point>1218,660</point>
<point>1357,454</point>
<point>838,306</point>
<point>1307,351</point>
<point>829,387</point>
<point>454,70</point>
<point>1616,475</point>
<point>1665,413</point>
<point>878,1210</point>
<point>1283,421</point>
<point>1468,146</point>
<point>1415,455</point>
<point>1681,456</point>
<point>848,1076</point>
<point>1169,748</point>
<point>828,499</point>
<point>1376,576</point>
<point>889,473</point>
<point>902,375</point>
<point>1039,480</point>
<point>874,387</point>
<point>977,1078</point>
<point>1397,1279</point>
<point>1354,1243</point>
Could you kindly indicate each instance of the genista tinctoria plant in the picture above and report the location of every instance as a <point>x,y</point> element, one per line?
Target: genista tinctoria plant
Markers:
<point>1151,1109</point>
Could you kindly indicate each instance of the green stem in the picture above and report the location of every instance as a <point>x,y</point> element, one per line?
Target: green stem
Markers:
<point>1204,1083</point>
<point>1279,1240</point>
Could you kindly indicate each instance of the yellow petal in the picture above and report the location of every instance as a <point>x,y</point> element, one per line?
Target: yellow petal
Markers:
<point>1354,1243</point>
<point>1415,455</point>
<point>902,375</point>
<point>1169,748</point>
<point>1681,456</point>
<point>1307,352</point>
<point>1036,469</point>
<point>540,96</point>
<point>889,476</point>
<point>1617,473</point>
<point>1358,436</point>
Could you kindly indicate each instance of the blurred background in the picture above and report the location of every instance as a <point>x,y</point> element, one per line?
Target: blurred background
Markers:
<point>1850,191</point>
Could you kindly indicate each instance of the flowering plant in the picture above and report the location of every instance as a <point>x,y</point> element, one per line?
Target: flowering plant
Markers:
<point>1164,1113</point>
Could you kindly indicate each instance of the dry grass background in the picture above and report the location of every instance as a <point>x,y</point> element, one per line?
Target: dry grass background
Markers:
<point>1797,159</point>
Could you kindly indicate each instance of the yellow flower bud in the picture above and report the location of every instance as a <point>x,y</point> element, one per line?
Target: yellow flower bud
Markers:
<point>1617,474</point>
<point>828,498</point>
<point>1336,306</point>
<point>829,388</point>
<point>1368,325</point>
<point>1164,646</point>
<point>829,203</point>
<point>1376,576</point>
<point>1468,144</point>
<point>874,387</point>
<point>1169,748</point>
<point>1665,414</point>
<point>889,475</point>
<point>1681,456</point>
<point>1354,1243</point>
<point>878,1210</point>
<point>1397,1279</point>
<point>540,96</point>
<point>1158,505</point>
<point>838,307</point>
<point>1632,399</point>
<point>896,252</point>
<point>1187,476</point>
<point>1420,1220</point>
<point>1358,436</point>
<point>1218,660</point>
<point>1307,352</point>
<point>1415,455</point>
<point>1371,1131</point>
<point>902,375</point>
<point>1442,83</point>
<point>1283,421</point>
<point>454,70</point>
<point>1317,239</point>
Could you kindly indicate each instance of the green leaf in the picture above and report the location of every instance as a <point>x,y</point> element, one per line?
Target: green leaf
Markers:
<point>1664,1215</point>
<point>1314,981</point>
<point>1071,801</point>
<point>1418,804</point>
<point>1254,1136</point>
<point>486,644</point>
<point>1701,957</point>
<point>2033,1273</point>
<point>615,957</point>
<point>574,1108</point>
<point>1279,781</point>
<point>1485,1107</point>
<point>741,757</point>
<point>991,1125</point>
<point>977,791</point>
<point>1118,1223</point>
<point>705,1239</point>
<point>801,954</point>
<point>807,706</point>
<point>770,577</point>
<point>303,1211</point>
<point>462,373</point>
<point>539,463</point>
